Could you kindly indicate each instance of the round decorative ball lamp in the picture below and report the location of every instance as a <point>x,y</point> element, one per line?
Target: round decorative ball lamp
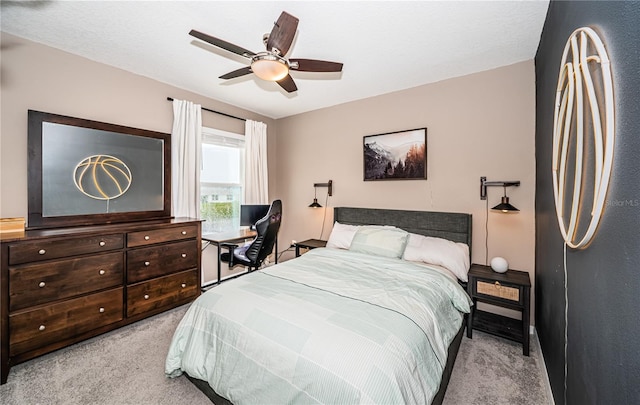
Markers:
<point>499,264</point>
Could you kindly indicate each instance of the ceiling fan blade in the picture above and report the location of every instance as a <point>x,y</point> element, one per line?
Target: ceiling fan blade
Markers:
<point>312,65</point>
<point>237,73</point>
<point>288,84</point>
<point>222,44</point>
<point>282,34</point>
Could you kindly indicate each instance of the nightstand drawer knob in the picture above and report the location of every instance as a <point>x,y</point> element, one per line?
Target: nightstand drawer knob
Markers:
<point>146,237</point>
<point>184,232</point>
<point>498,284</point>
<point>42,284</point>
<point>101,310</point>
<point>42,327</point>
<point>102,243</point>
<point>42,251</point>
<point>183,285</point>
<point>101,272</point>
<point>183,255</point>
<point>146,296</point>
<point>147,263</point>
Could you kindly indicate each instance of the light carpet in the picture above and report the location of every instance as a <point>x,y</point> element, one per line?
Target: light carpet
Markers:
<point>126,366</point>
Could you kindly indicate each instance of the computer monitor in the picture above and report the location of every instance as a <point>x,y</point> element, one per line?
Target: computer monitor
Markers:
<point>250,214</point>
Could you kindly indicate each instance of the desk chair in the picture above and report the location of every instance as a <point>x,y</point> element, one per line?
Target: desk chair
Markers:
<point>253,254</point>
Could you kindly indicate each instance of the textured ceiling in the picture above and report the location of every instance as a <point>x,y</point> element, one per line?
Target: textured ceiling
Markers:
<point>385,45</point>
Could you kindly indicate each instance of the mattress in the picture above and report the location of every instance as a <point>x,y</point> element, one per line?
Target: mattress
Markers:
<point>331,326</point>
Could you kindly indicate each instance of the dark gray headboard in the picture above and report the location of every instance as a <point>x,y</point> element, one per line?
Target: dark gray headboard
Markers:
<point>446,225</point>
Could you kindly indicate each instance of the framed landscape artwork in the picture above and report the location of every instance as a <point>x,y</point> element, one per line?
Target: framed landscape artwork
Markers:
<point>398,155</point>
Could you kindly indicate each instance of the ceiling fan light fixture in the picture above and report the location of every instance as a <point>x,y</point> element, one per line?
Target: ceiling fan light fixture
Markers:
<point>269,67</point>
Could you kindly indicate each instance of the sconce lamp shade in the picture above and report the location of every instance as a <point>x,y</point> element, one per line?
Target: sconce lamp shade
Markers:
<point>504,206</point>
<point>329,186</point>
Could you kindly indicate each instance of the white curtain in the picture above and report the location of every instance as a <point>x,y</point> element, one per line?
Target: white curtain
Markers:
<point>186,152</point>
<point>256,175</point>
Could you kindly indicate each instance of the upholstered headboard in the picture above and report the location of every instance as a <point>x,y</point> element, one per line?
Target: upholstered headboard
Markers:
<point>447,225</point>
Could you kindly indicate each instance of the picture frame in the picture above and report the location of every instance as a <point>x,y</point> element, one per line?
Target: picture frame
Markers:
<point>400,155</point>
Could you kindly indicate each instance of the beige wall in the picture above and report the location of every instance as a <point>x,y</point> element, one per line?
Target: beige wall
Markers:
<point>42,78</point>
<point>477,125</point>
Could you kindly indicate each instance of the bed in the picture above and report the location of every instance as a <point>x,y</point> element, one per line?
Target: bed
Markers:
<point>336,325</point>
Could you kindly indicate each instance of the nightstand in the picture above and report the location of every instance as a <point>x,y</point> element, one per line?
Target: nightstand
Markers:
<point>309,244</point>
<point>508,290</point>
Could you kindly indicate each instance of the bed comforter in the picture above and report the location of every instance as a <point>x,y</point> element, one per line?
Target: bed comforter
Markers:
<point>330,327</point>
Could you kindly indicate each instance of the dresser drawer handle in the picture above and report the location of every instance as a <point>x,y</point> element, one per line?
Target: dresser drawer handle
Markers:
<point>146,237</point>
<point>147,263</point>
<point>184,255</point>
<point>42,327</point>
<point>498,284</point>
<point>42,251</point>
<point>146,296</point>
<point>184,232</point>
<point>101,272</point>
<point>184,285</point>
<point>101,309</point>
<point>102,243</point>
<point>42,284</point>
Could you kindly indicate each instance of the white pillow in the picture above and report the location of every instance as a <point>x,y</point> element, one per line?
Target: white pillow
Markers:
<point>448,254</point>
<point>380,241</point>
<point>341,235</point>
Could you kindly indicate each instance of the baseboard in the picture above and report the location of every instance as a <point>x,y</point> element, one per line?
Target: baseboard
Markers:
<point>544,367</point>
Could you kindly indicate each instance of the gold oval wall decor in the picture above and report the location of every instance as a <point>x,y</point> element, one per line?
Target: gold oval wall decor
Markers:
<point>584,105</point>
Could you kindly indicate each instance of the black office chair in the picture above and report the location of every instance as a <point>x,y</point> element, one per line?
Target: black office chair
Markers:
<point>253,254</point>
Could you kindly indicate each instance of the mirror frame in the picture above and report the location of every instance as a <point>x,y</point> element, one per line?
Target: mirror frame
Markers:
<point>35,218</point>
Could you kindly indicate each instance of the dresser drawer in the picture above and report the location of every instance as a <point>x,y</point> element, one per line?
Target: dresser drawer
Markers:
<point>160,235</point>
<point>55,249</point>
<point>499,290</point>
<point>146,263</point>
<point>36,328</point>
<point>36,284</point>
<point>162,292</point>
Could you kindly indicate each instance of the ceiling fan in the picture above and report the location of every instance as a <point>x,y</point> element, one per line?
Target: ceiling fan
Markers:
<point>272,65</point>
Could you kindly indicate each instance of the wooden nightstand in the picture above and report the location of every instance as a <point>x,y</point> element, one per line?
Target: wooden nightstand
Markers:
<point>309,244</point>
<point>508,290</point>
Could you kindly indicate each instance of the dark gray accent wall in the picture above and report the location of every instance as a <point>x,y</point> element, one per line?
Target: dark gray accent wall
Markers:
<point>603,352</point>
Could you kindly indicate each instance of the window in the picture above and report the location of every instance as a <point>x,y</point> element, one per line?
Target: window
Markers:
<point>221,180</point>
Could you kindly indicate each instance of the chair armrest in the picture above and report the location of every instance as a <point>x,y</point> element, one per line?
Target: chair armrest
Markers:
<point>231,247</point>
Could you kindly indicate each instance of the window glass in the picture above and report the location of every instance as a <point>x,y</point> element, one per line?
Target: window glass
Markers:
<point>221,180</point>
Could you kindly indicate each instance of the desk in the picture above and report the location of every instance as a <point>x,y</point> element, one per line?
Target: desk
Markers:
<point>218,238</point>
<point>239,235</point>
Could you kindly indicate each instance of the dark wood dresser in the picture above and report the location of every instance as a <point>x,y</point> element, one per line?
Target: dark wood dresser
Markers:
<point>61,286</point>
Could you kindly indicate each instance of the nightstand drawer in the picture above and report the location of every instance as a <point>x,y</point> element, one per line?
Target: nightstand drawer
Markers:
<point>495,289</point>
